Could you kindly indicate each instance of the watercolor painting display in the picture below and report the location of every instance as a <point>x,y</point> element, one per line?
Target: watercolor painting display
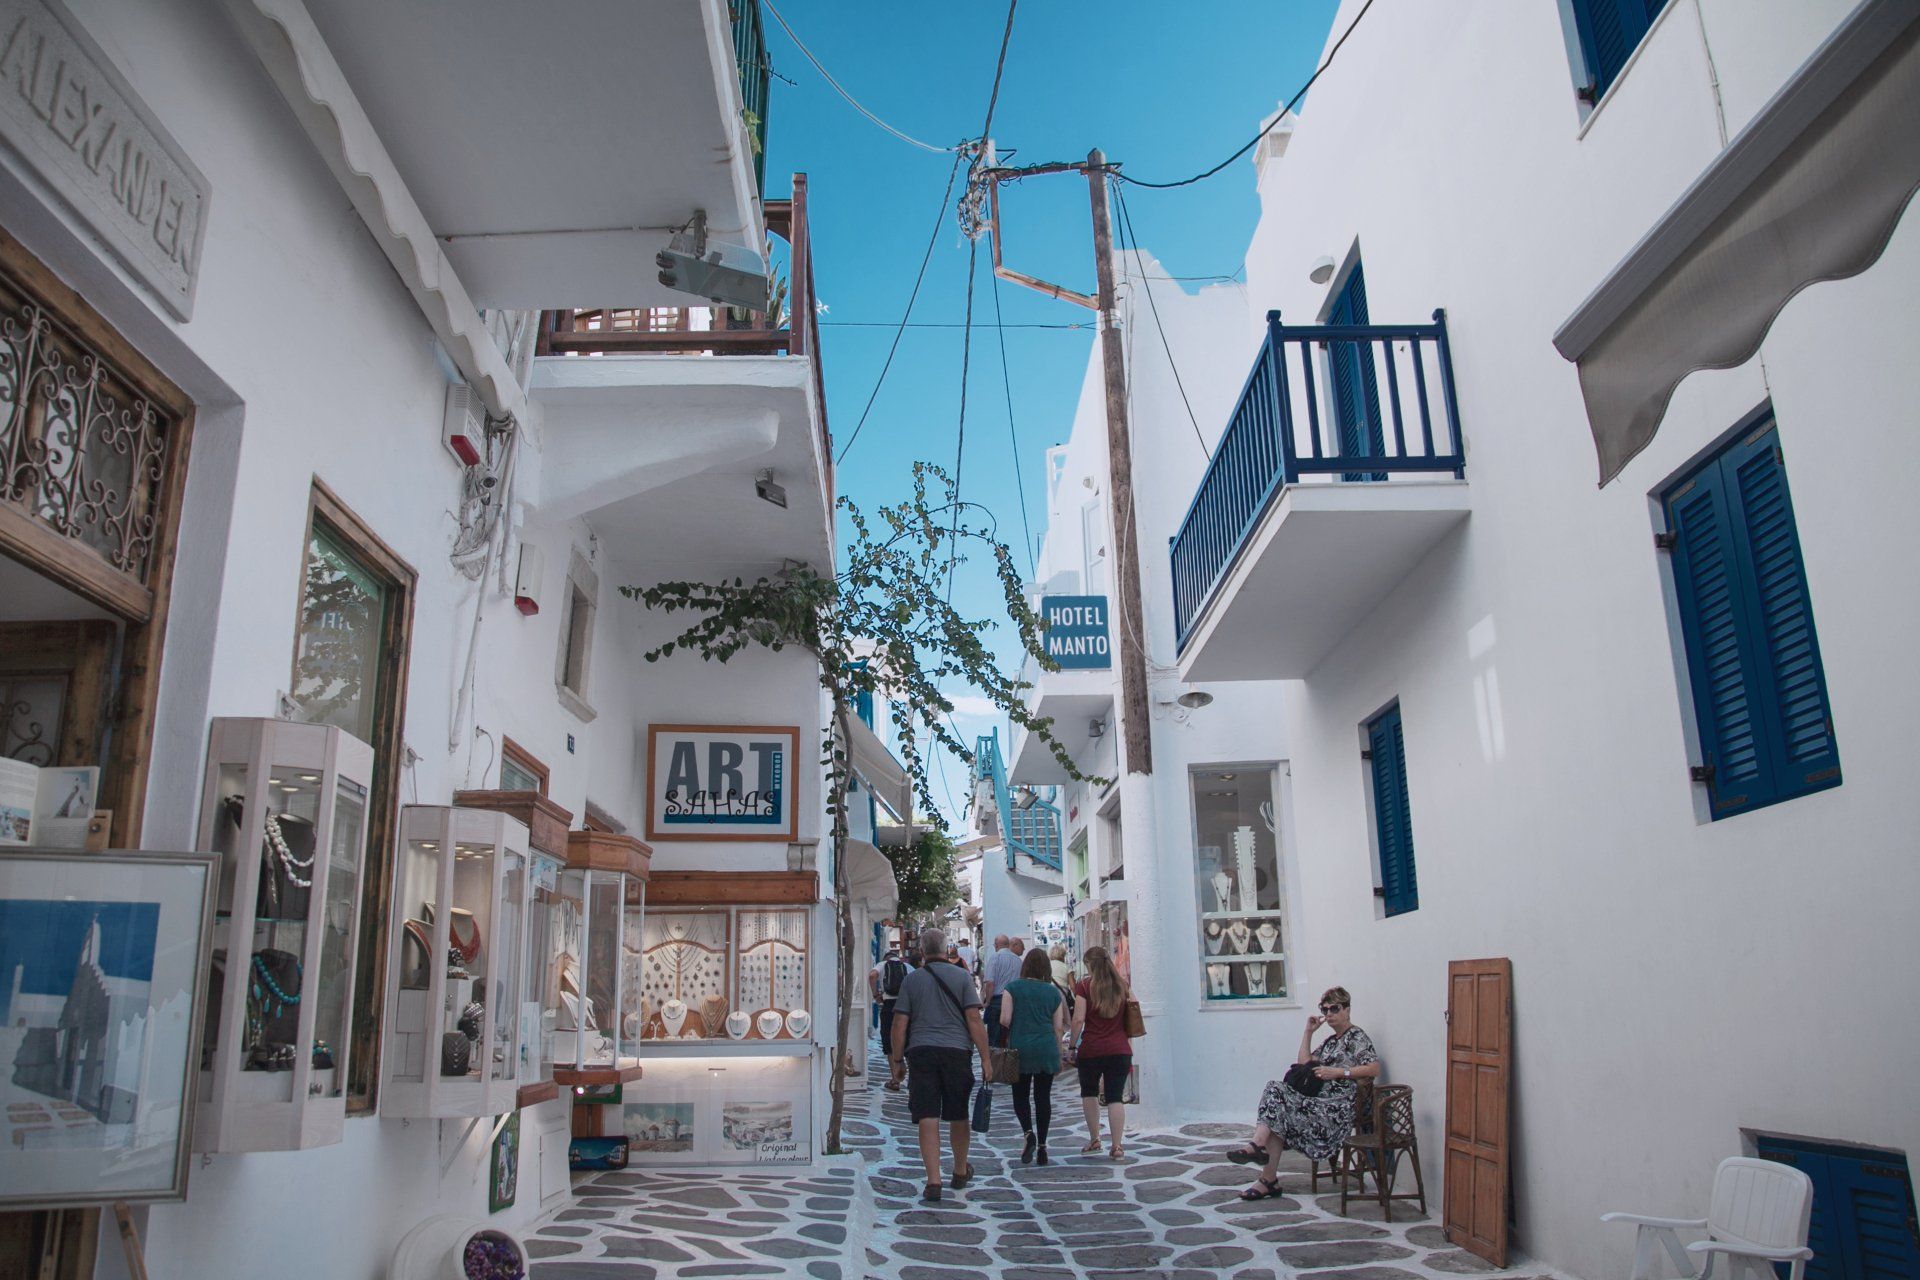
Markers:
<point>661,1128</point>
<point>103,962</point>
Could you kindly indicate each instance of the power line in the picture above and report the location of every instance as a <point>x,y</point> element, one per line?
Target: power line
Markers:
<point>1126,221</point>
<point>1013,436</point>
<point>960,448</point>
<point>940,220</point>
<point>841,90</point>
<point>946,324</point>
<point>1291,103</point>
<point>993,99</point>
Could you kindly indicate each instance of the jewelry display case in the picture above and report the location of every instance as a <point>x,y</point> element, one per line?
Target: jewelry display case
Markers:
<point>725,973</point>
<point>594,996</point>
<point>1242,892</point>
<point>538,1004</point>
<point>285,807</point>
<point>455,952</point>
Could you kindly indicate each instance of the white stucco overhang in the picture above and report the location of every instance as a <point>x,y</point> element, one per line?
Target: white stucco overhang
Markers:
<point>870,879</point>
<point>1071,699</point>
<point>552,147</point>
<point>659,454</point>
<point>876,768</point>
<point>1322,558</point>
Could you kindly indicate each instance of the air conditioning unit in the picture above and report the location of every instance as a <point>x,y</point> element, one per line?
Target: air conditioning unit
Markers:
<point>464,427</point>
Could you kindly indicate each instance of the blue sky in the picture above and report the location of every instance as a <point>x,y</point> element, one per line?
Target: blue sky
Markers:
<point>1166,89</point>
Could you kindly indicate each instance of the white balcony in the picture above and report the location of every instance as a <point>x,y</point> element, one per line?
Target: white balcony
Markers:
<point>1073,700</point>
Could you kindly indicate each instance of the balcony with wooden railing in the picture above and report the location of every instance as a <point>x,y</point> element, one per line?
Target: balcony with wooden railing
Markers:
<point>1342,465</point>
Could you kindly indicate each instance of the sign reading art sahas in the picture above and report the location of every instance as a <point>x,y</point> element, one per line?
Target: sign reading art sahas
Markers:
<point>722,782</point>
<point>1076,635</point>
<point>71,117</point>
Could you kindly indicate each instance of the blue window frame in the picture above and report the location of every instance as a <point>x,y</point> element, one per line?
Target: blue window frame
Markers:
<point>1610,30</point>
<point>1863,1215</point>
<point>1753,658</point>
<point>1356,391</point>
<point>1392,817</point>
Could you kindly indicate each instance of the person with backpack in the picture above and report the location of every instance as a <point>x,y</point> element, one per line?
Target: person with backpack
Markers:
<point>887,978</point>
<point>937,1028</point>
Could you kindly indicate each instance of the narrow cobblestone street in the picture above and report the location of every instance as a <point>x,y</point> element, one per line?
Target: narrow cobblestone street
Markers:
<point>1169,1211</point>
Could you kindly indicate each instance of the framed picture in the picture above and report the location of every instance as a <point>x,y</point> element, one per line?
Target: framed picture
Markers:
<point>504,1183</point>
<point>722,782</point>
<point>104,968</point>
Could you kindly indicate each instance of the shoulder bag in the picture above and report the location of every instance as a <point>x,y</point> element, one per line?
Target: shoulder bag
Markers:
<point>1003,1065</point>
<point>1136,1022</point>
<point>1301,1080</point>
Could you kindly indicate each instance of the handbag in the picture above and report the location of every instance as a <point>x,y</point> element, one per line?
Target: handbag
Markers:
<point>1003,1066</point>
<point>1301,1080</point>
<point>1136,1022</point>
<point>982,1109</point>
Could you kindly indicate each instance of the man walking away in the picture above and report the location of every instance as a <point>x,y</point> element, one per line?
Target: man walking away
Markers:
<point>936,1029</point>
<point>969,958</point>
<point>888,978</point>
<point>1002,967</point>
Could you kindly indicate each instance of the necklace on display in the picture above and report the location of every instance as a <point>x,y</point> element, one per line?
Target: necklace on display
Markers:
<point>1238,934</point>
<point>288,862</point>
<point>673,1016</point>
<point>469,946</point>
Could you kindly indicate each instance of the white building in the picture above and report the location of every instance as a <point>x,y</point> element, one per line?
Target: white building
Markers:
<point>355,223</point>
<point>1591,730</point>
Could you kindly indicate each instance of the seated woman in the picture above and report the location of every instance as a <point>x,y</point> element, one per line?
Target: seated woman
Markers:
<point>1316,1126</point>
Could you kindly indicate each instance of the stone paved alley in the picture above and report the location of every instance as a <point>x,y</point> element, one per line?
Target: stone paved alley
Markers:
<point>1167,1211</point>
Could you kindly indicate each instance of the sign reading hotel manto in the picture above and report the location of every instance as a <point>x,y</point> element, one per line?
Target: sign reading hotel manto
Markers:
<point>78,125</point>
<point>1076,635</point>
<point>722,782</point>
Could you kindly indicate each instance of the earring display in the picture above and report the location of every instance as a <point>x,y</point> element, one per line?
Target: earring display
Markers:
<point>459,895</point>
<point>683,963</point>
<point>285,808</point>
<point>772,967</point>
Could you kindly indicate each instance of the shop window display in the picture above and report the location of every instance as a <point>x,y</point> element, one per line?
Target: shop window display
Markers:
<point>595,999</point>
<point>285,807</point>
<point>718,973</point>
<point>1242,894</point>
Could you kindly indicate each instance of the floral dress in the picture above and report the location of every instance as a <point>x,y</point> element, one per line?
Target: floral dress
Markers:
<point>1315,1127</point>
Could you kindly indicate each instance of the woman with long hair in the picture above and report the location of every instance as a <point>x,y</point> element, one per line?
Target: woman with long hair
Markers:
<point>1034,1013</point>
<point>1104,1056</point>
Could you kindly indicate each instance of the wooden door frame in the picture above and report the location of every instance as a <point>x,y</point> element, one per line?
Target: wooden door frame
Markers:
<point>82,650</point>
<point>1460,1227</point>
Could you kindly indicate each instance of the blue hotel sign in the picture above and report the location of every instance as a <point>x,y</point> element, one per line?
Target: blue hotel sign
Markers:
<point>1076,634</point>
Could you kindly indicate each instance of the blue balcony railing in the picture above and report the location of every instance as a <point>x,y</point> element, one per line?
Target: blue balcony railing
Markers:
<point>756,74</point>
<point>1343,404</point>
<point>1035,830</point>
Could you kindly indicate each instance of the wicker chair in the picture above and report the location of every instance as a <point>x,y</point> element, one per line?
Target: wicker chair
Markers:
<point>1379,1150</point>
<point>1362,1124</point>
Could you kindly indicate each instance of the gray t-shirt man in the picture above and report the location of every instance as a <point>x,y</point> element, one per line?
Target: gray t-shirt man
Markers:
<point>932,1019</point>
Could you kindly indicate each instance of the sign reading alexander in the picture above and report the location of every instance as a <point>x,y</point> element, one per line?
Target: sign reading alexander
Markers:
<point>1076,634</point>
<point>721,782</point>
<point>77,124</point>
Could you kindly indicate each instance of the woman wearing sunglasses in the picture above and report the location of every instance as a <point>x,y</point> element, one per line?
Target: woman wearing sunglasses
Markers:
<point>1314,1126</point>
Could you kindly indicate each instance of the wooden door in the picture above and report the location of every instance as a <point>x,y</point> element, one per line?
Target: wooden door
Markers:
<point>1479,1068</point>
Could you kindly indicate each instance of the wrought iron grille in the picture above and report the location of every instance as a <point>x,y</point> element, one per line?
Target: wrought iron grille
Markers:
<point>83,450</point>
<point>31,707</point>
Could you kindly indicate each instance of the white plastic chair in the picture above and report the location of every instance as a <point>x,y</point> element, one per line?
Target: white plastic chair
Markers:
<point>1760,1214</point>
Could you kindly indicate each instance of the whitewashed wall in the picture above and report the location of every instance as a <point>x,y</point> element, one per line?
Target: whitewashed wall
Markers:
<point>1675,980</point>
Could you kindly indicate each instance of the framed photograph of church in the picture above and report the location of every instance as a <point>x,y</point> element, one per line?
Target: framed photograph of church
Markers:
<point>104,968</point>
<point>723,782</point>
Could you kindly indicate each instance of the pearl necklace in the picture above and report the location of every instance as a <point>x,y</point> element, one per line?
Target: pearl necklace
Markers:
<point>288,863</point>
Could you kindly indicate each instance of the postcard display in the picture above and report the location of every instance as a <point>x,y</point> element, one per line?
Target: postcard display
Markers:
<point>592,1007</point>
<point>454,962</point>
<point>285,807</point>
<point>727,1037</point>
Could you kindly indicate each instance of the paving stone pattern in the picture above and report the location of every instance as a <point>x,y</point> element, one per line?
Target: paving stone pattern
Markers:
<point>1168,1211</point>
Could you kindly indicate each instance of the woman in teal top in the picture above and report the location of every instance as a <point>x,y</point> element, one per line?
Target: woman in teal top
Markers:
<point>1034,1012</point>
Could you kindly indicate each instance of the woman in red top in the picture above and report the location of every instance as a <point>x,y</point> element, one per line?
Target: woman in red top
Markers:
<point>1104,1055</point>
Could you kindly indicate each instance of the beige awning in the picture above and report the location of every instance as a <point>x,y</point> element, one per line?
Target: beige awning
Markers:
<point>876,767</point>
<point>870,879</point>
<point>1810,190</point>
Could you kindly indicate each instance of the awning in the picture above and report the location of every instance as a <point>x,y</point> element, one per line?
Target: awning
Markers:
<point>1810,190</point>
<point>876,767</point>
<point>870,879</point>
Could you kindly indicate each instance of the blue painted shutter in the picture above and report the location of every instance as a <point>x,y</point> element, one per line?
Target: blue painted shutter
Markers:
<point>1392,817</point>
<point>1610,30</point>
<point>1356,393</point>
<point>1863,1225</point>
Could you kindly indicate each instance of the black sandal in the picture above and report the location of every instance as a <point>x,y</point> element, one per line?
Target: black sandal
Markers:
<point>930,1194</point>
<point>1254,1192</point>
<point>1249,1154</point>
<point>959,1180</point>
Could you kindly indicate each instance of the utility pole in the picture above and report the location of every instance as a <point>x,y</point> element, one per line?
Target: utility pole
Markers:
<point>1124,534</point>
<point>1133,661</point>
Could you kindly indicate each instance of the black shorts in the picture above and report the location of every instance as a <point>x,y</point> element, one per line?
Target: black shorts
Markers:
<point>1105,1078</point>
<point>939,1083</point>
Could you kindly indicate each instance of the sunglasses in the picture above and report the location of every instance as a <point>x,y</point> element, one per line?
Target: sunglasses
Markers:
<point>1331,1009</point>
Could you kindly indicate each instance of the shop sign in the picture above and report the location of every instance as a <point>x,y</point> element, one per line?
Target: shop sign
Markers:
<point>546,872</point>
<point>1076,634</point>
<point>78,125</point>
<point>722,782</point>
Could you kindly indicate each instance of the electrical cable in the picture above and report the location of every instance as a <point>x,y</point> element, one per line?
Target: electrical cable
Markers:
<point>939,221</point>
<point>1284,112</point>
<point>960,448</point>
<point>841,90</point>
<point>999,67</point>
<point>1013,436</point>
<point>1126,221</point>
<point>952,324</point>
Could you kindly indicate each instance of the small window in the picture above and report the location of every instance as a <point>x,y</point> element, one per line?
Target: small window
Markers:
<point>1609,31</point>
<point>1242,894</point>
<point>1753,659</point>
<point>576,637</point>
<point>1386,753</point>
<point>1862,1226</point>
<point>520,770</point>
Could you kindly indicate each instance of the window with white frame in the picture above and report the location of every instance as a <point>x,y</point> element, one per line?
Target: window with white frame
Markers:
<point>1242,891</point>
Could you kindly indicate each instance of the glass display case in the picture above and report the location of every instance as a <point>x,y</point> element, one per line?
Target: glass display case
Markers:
<point>455,951</point>
<point>595,1009</point>
<point>538,1001</point>
<point>724,973</point>
<point>1242,893</point>
<point>285,807</point>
